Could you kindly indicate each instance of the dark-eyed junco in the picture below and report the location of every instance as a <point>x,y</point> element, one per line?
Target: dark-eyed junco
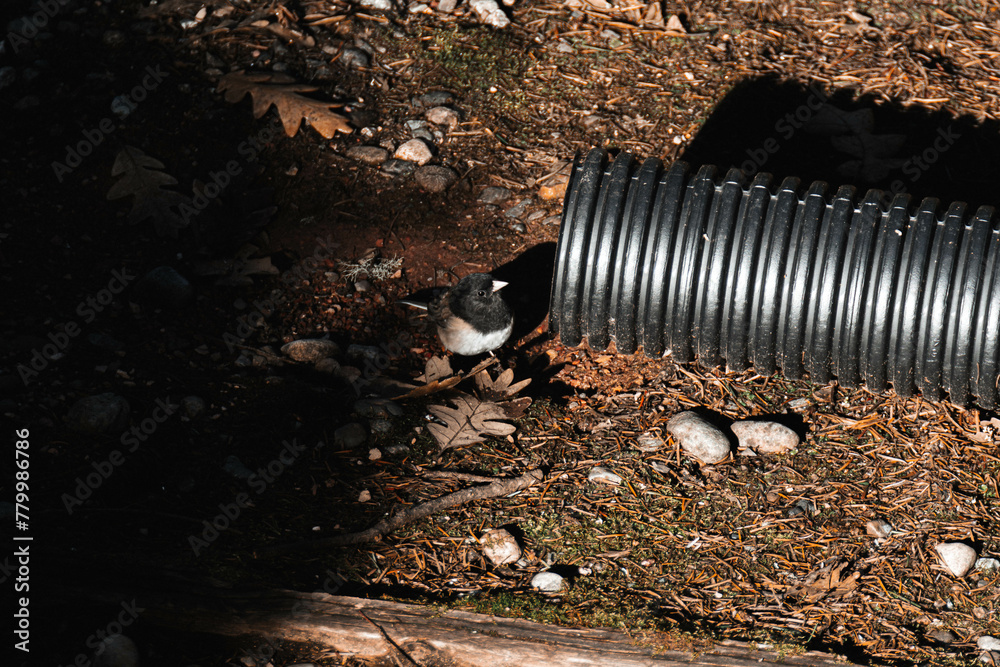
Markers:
<point>471,317</point>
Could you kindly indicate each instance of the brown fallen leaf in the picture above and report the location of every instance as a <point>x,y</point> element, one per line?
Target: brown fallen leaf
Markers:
<point>436,368</point>
<point>654,15</point>
<point>500,388</point>
<point>470,422</point>
<point>674,25</point>
<point>827,580</point>
<point>432,387</point>
<point>283,92</point>
<point>142,178</point>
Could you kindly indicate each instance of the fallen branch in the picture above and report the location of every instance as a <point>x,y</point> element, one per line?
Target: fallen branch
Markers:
<point>501,487</point>
<point>426,635</point>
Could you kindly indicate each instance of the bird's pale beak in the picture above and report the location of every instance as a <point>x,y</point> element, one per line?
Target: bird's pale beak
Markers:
<point>498,285</point>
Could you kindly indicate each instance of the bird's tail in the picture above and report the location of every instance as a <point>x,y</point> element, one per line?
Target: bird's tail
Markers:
<point>413,304</point>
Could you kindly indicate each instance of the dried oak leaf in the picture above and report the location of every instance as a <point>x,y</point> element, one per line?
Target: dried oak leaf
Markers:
<point>438,376</point>
<point>494,390</point>
<point>283,92</point>
<point>470,422</point>
<point>436,368</point>
<point>516,408</point>
<point>825,581</point>
<point>142,178</point>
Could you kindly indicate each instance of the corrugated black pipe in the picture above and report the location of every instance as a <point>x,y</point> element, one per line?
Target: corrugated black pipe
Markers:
<point>663,259</point>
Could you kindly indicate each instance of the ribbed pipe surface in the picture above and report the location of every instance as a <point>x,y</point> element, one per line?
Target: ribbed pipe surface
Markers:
<point>805,281</point>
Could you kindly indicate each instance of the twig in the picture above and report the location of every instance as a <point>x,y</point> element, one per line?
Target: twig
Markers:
<point>459,476</point>
<point>501,487</point>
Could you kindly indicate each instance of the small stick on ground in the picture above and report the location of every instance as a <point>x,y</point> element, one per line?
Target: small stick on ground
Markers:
<point>459,476</point>
<point>500,487</point>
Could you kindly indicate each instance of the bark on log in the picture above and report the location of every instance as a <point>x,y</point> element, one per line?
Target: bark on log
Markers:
<point>428,636</point>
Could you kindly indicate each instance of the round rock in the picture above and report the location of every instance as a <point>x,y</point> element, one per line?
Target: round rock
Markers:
<point>377,408</point>
<point>435,98</point>
<point>396,167</point>
<point>354,58</point>
<point>415,150</point>
<point>445,116</point>
<point>988,643</point>
<point>165,286</point>
<point>500,547</point>
<point>490,13</point>
<point>435,178</point>
<point>604,476</point>
<point>310,350</point>
<point>236,468</point>
<point>494,195</point>
<point>373,156</point>
<point>192,406</point>
<point>547,582</point>
<point>957,558</point>
<point>765,437</point>
<point>649,442</point>
<point>116,651</point>
<point>698,438</point>
<point>99,414</point>
<point>350,436</point>
<point>327,365</point>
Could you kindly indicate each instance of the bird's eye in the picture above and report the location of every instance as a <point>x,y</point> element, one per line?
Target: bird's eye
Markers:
<point>481,292</point>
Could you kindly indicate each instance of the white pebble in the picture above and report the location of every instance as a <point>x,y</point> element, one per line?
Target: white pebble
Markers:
<point>987,643</point>
<point>987,564</point>
<point>649,442</point>
<point>547,582</point>
<point>414,150</point>
<point>603,475</point>
<point>489,12</point>
<point>765,437</point>
<point>500,547</point>
<point>443,116</point>
<point>958,558</point>
<point>698,438</point>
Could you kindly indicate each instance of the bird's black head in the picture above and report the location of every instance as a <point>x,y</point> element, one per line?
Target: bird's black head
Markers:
<point>476,299</point>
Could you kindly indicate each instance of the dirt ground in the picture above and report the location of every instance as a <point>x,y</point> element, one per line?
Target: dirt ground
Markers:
<point>698,553</point>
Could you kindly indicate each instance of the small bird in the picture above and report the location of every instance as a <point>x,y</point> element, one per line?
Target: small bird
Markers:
<point>471,317</point>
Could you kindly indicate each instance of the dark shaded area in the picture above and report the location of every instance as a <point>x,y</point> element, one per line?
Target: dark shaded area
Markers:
<point>770,125</point>
<point>530,281</point>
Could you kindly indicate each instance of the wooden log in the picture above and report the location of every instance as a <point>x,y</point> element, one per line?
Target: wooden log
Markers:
<point>373,629</point>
